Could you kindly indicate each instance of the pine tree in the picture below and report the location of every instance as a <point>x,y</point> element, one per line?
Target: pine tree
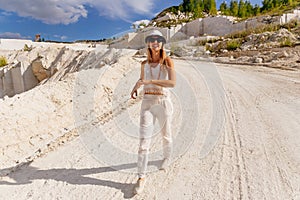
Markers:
<point>267,5</point>
<point>256,9</point>
<point>276,3</point>
<point>181,8</point>
<point>198,9</point>
<point>173,10</point>
<point>289,2</point>
<point>249,9</point>
<point>206,5</point>
<point>234,8</point>
<point>223,7</point>
<point>185,5</point>
<point>212,7</point>
<point>242,12</point>
<point>191,7</point>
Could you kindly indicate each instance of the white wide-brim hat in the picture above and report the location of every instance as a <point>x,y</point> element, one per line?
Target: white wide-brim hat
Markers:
<point>155,33</point>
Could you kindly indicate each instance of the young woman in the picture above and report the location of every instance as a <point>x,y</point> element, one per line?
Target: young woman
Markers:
<point>157,76</point>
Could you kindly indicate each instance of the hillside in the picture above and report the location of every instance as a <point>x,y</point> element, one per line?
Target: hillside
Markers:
<point>270,43</point>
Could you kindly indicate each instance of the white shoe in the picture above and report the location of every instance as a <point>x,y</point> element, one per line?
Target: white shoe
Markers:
<point>165,163</point>
<point>140,185</point>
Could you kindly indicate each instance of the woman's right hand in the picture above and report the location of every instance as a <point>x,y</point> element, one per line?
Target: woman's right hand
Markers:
<point>134,91</point>
<point>134,94</point>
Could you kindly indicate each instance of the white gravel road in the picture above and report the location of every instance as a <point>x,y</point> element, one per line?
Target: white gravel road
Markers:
<point>236,136</point>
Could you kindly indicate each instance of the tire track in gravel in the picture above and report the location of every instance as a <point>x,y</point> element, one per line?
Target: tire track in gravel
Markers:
<point>231,156</point>
<point>239,101</point>
<point>263,125</point>
<point>283,95</point>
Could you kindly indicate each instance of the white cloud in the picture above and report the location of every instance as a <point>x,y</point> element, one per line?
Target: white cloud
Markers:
<point>9,35</point>
<point>6,13</point>
<point>47,11</point>
<point>69,11</point>
<point>141,6</point>
<point>122,8</point>
<point>136,24</point>
<point>61,37</point>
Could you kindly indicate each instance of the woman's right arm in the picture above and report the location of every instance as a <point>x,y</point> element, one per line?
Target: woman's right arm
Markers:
<point>139,83</point>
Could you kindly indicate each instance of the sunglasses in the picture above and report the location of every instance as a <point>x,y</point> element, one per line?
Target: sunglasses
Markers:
<point>153,39</point>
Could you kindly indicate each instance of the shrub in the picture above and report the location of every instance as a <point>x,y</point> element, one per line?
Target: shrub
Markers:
<point>291,25</point>
<point>27,48</point>
<point>176,50</point>
<point>3,61</point>
<point>206,41</point>
<point>203,42</point>
<point>287,42</point>
<point>209,47</point>
<point>215,47</point>
<point>257,30</point>
<point>233,44</point>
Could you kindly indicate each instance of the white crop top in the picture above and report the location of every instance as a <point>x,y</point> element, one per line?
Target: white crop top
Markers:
<point>158,72</point>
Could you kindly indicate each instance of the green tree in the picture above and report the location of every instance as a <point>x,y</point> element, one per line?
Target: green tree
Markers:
<point>187,5</point>
<point>256,9</point>
<point>173,10</point>
<point>198,9</point>
<point>276,3</point>
<point>212,7</point>
<point>242,12</point>
<point>249,9</point>
<point>202,4</point>
<point>223,7</point>
<point>234,8</point>
<point>206,5</point>
<point>191,6</point>
<point>181,8</point>
<point>289,2</point>
<point>266,5</point>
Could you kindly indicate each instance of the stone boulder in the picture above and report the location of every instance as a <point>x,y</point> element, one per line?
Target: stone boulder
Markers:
<point>39,71</point>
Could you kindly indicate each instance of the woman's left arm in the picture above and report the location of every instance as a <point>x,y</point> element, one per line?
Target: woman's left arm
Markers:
<point>171,82</point>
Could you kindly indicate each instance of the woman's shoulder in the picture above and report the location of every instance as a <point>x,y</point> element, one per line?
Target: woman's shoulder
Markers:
<point>168,59</point>
<point>169,62</point>
<point>144,62</point>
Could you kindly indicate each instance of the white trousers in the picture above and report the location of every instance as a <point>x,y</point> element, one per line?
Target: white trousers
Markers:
<point>154,107</point>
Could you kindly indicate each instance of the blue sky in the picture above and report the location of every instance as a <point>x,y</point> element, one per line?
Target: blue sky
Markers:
<point>70,20</point>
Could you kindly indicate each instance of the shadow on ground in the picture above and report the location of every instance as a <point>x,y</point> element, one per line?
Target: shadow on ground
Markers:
<point>27,174</point>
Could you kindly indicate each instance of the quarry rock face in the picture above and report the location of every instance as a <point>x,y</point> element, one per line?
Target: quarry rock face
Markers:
<point>27,69</point>
<point>15,79</point>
